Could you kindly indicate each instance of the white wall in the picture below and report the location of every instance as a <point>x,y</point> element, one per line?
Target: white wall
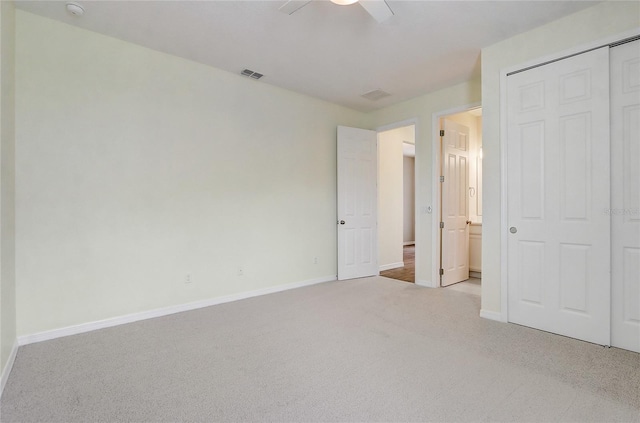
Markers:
<point>602,20</point>
<point>390,199</point>
<point>134,168</point>
<point>422,109</point>
<point>409,200</point>
<point>7,186</point>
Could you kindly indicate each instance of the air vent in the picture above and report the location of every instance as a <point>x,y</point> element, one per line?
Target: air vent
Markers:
<point>251,74</point>
<point>375,95</point>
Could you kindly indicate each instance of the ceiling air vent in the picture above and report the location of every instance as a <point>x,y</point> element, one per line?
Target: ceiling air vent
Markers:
<point>251,74</point>
<point>375,95</point>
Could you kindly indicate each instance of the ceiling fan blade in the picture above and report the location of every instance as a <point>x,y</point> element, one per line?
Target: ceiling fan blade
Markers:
<point>379,9</point>
<point>293,6</point>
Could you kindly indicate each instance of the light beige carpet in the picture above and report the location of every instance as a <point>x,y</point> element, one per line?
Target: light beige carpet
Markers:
<point>371,349</point>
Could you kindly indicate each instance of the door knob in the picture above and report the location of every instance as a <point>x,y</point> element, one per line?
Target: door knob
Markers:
<point>342,222</point>
<point>468,222</point>
<point>513,229</point>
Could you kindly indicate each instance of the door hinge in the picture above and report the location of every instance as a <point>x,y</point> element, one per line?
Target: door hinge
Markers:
<point>441,272</point>
<point>441,225</point>
<point>442,178</point>
<point>442,132</point>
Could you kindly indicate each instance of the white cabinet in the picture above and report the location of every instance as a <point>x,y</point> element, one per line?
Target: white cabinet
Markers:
<point>475,247</point>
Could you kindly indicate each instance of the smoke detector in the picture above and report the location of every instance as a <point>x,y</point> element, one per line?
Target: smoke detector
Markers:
<point>75,9</point>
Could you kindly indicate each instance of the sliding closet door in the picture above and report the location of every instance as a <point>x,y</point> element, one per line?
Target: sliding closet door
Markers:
<point>558,186</point>
<point>625,196</point>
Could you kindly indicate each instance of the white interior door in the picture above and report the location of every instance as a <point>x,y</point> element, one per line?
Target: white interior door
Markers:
<point>357,203</point>
<point>558,187</point>
<point>455,204</point>
<point>625,196</point>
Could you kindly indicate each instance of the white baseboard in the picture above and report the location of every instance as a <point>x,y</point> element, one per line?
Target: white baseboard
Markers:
<point>492,315</point>
<point>130,318</point>
<point>408,243</point>
<point>391,266</point>
<point>475,274</point>
<point>6,371</point>
<point>425,283</point>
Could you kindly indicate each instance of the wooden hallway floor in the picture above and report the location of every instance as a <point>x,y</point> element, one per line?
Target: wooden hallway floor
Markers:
<point>408,272</point>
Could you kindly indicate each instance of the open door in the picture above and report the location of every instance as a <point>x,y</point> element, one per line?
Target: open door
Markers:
<point>357,203</point>
<point>455,206</point>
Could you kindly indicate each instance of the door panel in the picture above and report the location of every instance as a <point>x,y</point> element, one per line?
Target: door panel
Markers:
<point>455,204</point>
<point>531,276</point>
<point>630,290</point>
<point>625,196</point>
<point>558,186</point>
<point>531,176</point>
<point>357,203</point>
<point>574,180</point>
<point>574,277</point>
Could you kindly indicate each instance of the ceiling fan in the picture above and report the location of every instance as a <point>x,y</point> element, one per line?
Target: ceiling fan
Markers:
<point>378,9</point>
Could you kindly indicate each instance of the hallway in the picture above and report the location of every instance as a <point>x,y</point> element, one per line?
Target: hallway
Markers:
<point>408,272</point>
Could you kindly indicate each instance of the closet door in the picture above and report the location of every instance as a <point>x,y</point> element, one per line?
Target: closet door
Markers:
<point>625,196</point>
<point>558,186</point>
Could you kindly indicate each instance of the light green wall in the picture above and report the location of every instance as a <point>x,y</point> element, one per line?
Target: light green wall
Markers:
<point>390,197</point>
<point>422,110</point>
<point>134,168</point>
<point>408,200</point>
<point>7,173</point>
<point>592,24</point>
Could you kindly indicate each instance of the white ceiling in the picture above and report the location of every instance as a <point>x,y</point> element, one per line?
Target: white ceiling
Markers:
<point>335,53</point>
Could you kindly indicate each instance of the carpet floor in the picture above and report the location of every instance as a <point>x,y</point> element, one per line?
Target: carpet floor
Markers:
<point>371,349</point>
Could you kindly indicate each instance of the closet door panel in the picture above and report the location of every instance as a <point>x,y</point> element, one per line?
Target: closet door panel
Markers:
<point>625,196</point>
<point>558,185</point>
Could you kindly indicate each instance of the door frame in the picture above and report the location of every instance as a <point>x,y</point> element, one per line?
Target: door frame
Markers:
<point>416,130</point>
<point>436,187</point>
<point>582,48</point>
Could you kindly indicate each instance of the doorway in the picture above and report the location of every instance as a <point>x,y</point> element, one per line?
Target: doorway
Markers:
<point>396,202</point>
<point>458,166</point>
